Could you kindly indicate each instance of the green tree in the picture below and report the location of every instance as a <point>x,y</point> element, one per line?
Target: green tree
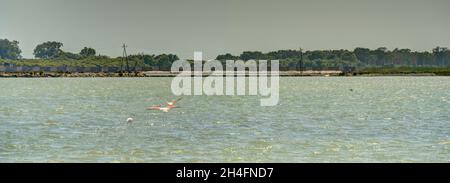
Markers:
<point>248,55</point>
<point>380,54</point>
<point>165,61</point>
<point>9,49</point>
<point>441,55</point>
<point>363,54</point>
<point>227,57</point>
<point>48,50</point>
<point>87,52</point>
<point>150,60</point>
<point>283,54</point>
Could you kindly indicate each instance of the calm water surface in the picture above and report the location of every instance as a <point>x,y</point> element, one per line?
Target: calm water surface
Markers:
<point>318,119</point>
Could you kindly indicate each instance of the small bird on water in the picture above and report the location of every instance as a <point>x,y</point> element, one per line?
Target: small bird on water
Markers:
<point>130,120</point>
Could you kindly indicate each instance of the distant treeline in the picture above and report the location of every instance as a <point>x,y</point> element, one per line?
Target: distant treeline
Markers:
<point>51,54</point>
<point>359,57</point>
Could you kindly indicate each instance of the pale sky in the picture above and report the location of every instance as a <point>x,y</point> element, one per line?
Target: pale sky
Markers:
<point>225,26</point>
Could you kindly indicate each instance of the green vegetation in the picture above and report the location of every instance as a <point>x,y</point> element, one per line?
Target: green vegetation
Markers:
<point>50,54</point>
<point>48,50</point>
<point>361,60</point>
<point>358,58</point>
<point>440,71</point>
<point>89,62</point>
<point>87,52</point>
<point>9,49</point>
<point>161,61</point>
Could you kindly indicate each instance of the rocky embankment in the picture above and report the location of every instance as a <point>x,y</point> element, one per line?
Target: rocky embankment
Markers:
<point>154,74</point>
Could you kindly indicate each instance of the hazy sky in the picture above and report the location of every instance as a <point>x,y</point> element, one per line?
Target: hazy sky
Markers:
<point>221,26</point>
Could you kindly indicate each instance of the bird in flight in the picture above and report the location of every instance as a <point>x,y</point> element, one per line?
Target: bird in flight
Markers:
<point>160,108</point>
<point>170,105</point>
<point>173,103</point>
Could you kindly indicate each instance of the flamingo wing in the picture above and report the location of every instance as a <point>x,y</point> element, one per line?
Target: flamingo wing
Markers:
<point>156,107</point>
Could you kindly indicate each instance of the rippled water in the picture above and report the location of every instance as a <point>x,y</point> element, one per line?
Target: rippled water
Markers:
<point>318,119</point>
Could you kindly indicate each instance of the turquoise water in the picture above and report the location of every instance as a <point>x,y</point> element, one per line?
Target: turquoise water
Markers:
<point>318,119</point>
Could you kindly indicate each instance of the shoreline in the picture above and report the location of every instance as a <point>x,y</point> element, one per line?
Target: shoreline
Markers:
<point>204,74</point>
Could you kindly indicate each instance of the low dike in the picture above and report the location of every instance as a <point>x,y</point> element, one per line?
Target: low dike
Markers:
<point>65,71</point>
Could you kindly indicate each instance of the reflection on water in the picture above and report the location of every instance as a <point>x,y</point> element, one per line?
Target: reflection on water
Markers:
<point>345,119</point>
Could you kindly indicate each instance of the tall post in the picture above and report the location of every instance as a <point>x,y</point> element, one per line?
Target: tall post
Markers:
<point>125,57</point>
<point>300,64</point>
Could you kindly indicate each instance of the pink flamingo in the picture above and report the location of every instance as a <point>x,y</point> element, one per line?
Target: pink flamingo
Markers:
<point>170,105</point>
<point>160,108</point>
<point>173,103</point>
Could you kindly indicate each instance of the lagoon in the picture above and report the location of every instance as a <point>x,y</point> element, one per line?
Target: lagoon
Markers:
<point>318,119</point>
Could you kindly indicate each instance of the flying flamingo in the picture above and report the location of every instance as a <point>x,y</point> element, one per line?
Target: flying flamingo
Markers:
<point>173,103</point>
<point>170,105</point>
<point>160,108</point>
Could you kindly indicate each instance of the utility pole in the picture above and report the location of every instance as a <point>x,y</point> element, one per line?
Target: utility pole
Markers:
<point>300,64</point>
<point>125,57</point>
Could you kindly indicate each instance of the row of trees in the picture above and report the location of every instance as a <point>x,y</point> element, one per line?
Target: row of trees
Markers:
<point>49,50</point>
<point>52,50</point>
<point>359,57</point>
<point>404,57</point>
<point>163,61</point>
